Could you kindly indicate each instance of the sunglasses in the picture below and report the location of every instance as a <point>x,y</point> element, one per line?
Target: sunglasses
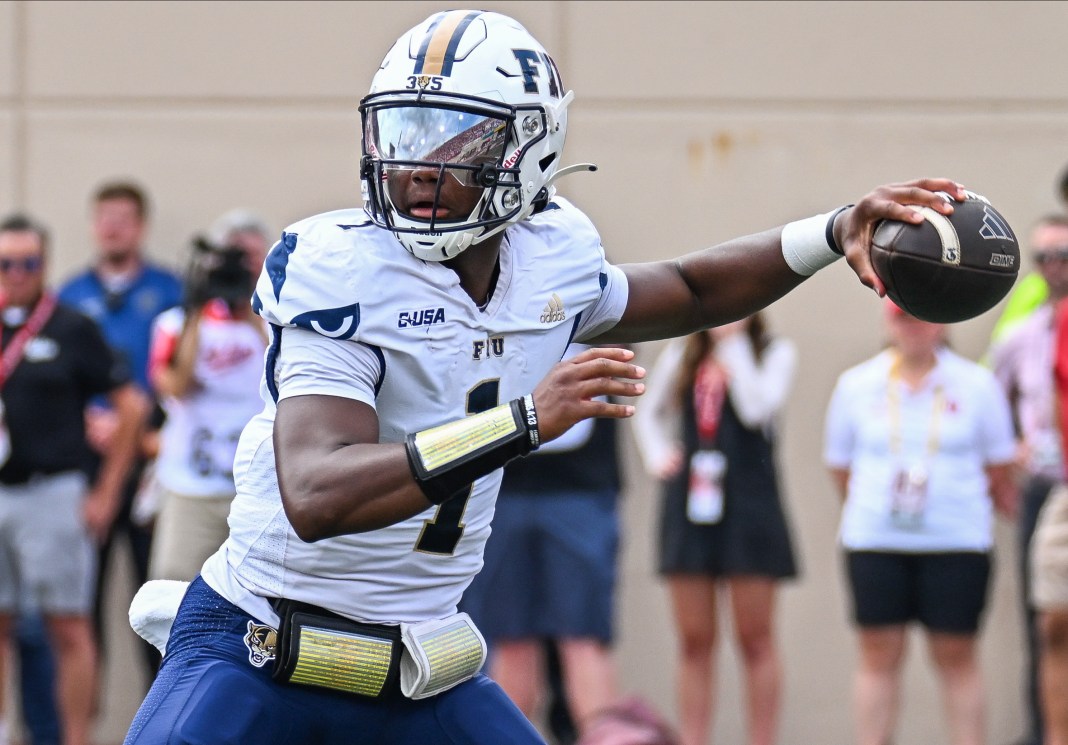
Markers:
<point>31,265</point>
<point>1047,255</point>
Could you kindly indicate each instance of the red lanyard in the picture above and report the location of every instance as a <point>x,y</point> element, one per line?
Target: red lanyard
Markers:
<point>710,391</point>
<point>13,351</point>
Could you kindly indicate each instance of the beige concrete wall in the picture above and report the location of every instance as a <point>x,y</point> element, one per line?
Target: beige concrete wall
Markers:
<point>707,119</point>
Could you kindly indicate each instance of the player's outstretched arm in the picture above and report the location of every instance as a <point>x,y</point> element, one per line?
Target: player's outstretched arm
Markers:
<point>739,277</point>
<point>336,478</point>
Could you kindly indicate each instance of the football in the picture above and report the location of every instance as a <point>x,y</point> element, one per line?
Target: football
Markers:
<point>948,268</point>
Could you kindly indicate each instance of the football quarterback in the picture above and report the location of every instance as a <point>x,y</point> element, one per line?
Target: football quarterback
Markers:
<point>416,349</point>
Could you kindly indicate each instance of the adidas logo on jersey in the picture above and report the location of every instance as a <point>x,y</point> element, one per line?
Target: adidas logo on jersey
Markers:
<point>554,310</point>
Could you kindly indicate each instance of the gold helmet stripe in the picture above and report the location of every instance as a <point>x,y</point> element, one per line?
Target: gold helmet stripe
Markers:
<point>438,49</point>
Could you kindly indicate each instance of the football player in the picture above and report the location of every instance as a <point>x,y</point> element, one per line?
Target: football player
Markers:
<point>416,350</point>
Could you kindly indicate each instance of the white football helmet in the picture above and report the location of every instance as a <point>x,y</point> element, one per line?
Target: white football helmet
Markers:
<point>470,95</point>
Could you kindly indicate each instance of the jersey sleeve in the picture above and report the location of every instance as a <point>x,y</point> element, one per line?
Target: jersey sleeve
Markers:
<point>606,312</point>
<point>311,364</point>
<point>574,247</point>
<point>309,280</point>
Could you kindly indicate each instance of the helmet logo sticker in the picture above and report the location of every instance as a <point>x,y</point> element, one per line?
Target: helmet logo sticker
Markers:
<point>424,82</point>
<point>528,63</point>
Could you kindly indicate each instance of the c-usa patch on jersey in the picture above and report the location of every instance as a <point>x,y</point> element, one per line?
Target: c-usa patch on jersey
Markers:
<point>261,642</point>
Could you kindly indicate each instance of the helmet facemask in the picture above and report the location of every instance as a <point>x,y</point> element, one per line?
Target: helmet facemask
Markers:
<point>478,142</point>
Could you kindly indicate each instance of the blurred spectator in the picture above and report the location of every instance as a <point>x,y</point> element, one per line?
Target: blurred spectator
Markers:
<point>1030,291</point>
<point>123,293</point>
<point>206,362</point>
<point>550,570</point>
<point>706,428</point>
<point>919,443</point>
<point>246,230</point>
<point>1022,361</point>
<point>1049,562</point>
<point>1049,596</point>
<point>631,721</point>
<point>51,509</point>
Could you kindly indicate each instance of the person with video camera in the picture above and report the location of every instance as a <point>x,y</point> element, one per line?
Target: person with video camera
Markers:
<point>205,363</point>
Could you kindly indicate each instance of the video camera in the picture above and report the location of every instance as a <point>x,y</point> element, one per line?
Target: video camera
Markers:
<point>217,272</point>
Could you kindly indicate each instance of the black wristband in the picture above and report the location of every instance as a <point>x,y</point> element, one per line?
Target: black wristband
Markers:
<point>531,414</point>
<point>445,460</point>
<point>830,230</point>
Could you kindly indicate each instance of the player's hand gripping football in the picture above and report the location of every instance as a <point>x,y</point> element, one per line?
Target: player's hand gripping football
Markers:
<point>854,227</point>
<point>566,395</point>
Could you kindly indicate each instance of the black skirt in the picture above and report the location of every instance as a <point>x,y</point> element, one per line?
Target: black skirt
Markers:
<point>753,537</point>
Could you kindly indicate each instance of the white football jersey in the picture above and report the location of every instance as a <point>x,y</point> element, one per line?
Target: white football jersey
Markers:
<point>357,316</point>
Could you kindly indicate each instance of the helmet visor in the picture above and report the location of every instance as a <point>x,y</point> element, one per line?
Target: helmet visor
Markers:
<point>424,134</point>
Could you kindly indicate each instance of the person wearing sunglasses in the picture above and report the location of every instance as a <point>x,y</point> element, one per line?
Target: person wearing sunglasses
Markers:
<point>1022,361</point>
<point>52,513</point>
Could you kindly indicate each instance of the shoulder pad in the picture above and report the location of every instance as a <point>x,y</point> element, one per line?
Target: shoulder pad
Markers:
<point>308,277</point>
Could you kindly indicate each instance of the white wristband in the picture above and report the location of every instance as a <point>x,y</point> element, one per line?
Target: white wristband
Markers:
<point>807,245</point>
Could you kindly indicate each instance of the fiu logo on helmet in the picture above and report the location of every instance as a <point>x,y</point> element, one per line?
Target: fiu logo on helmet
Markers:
<point>529,63</point>
<point>554,310</point>
<point>261,642</point>
<point>424,317</point>
<point>484,349</point>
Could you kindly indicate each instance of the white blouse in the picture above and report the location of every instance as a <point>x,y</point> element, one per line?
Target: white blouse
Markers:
<point>758,390</point>
<point>953,426</point>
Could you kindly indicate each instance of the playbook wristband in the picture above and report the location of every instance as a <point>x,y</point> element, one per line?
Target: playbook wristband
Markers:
<point>808,245</point>
<point>446,459</point>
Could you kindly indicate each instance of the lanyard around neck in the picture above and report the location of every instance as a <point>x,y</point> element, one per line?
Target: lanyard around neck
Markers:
<point>13,352</point>
<point>893,396</point>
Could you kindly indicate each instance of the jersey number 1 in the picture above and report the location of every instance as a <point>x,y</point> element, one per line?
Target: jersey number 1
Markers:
<point>441,534</point>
